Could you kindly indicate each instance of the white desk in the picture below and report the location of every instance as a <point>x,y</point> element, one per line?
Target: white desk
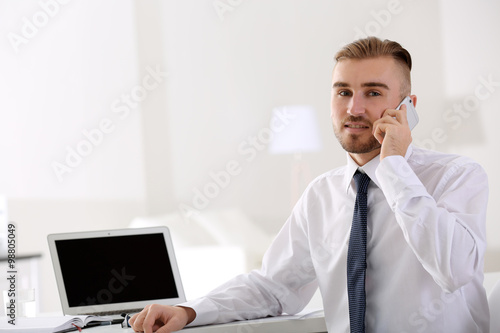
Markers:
<point>283,324</point>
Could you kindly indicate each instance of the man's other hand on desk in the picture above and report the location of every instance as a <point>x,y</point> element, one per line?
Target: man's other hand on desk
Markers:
<point>162,318</point>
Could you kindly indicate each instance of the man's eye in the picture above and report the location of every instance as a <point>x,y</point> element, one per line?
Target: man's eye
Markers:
<point>344,93</point>
<point>373,93</point>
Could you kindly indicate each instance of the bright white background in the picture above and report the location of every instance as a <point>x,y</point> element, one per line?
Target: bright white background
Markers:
<point>227,69</point>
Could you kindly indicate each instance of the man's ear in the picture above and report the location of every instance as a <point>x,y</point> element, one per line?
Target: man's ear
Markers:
<point>414,100</point>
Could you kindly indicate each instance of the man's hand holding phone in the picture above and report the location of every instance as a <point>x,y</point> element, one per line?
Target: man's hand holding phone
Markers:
<point>393,129</point>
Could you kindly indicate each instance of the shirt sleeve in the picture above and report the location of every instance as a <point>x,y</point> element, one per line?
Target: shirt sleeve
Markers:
<point>285,283</point>
<point>445,230</point>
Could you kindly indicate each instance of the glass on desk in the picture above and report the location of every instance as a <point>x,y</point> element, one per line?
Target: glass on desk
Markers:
<point>22,305</point>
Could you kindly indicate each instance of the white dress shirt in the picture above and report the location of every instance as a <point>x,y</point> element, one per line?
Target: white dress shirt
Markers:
<point>425,246</point>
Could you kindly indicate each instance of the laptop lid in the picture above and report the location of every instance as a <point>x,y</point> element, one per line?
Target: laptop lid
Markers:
<point>115,271</point>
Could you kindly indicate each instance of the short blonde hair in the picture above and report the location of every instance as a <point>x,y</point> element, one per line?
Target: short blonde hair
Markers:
<point>372,47</point>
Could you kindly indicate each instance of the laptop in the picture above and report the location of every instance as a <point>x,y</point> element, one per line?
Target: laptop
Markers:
<point>115,271</point>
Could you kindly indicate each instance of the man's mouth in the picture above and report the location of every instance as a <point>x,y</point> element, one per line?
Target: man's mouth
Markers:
<point>356,126</point>
<point>356,122</point>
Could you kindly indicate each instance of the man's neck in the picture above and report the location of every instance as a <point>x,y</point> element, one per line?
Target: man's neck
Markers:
<point>362,159</point>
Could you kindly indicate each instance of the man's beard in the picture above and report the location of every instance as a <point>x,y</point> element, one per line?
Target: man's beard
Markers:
<point>352,143</point>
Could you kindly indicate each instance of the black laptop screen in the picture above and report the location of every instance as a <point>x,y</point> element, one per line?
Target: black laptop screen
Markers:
<point>116,269</point>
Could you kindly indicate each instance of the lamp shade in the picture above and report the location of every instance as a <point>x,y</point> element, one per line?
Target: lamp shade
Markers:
<point>295,129</point>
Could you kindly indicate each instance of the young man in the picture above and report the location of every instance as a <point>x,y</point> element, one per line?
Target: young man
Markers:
<point>424,235</point>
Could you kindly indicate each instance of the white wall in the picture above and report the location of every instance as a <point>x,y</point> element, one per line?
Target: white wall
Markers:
<point>59,83</point>
<point>472,80</point>
<point>225,70</point>
<point>62,73</point>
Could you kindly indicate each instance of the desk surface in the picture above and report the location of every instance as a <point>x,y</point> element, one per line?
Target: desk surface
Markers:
<point>282,324</point>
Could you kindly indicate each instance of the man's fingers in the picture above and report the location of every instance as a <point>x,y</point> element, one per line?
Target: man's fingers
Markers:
<point>379,131</point>
<point>137,321</point>
<point>153,314</point>
<point>162,318</point>
<point>134,318</point>
<point>400,115</point>
<point>392,132</point>
<point>171,326</point>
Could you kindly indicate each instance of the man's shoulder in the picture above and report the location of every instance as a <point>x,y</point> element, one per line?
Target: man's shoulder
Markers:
<point>426,158</point>
<point>329,178</point>
<point>333,173</point>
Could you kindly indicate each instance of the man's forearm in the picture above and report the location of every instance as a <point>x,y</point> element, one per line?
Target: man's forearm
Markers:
<point>446,230</point>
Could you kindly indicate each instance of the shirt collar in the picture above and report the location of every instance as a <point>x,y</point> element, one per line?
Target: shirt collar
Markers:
<point>369,168</point>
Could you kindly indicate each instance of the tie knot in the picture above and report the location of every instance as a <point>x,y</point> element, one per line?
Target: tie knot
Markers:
<point>362,180</point>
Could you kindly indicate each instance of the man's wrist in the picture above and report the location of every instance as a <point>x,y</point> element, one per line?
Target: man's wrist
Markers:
<point>191,314</point>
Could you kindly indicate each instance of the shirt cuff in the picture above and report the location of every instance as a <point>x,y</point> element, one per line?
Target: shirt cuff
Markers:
<point>206,311</point>
<point>396,177</point>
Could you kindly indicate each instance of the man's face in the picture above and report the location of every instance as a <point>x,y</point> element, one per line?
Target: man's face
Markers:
<point>361,91</point>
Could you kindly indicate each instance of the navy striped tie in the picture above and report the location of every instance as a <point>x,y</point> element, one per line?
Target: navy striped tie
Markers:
<point>356,256</point>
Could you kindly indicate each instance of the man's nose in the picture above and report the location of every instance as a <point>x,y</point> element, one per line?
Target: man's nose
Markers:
<point>356,106</point>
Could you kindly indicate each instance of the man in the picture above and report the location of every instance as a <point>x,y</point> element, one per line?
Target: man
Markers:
<point>424,243</point>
